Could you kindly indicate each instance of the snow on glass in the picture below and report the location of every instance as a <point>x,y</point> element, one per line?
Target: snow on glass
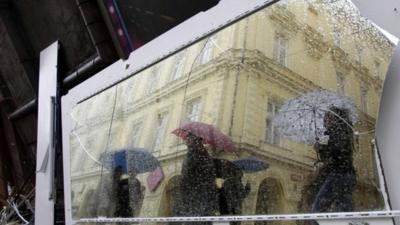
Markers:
<point>279,119</point>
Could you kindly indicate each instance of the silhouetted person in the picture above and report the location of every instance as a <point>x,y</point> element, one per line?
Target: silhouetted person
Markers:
<point>336,177</point>
<point>198,190</point>
<point>233,192</point>
<point>119,194</point>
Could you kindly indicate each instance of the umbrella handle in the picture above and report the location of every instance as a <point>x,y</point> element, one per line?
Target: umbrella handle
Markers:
<point>315,125</point>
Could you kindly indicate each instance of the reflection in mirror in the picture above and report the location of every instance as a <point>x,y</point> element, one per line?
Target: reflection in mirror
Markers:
<point>274,114</point>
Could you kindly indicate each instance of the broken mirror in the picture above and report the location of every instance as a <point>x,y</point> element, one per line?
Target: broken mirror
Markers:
<point>274,114</point>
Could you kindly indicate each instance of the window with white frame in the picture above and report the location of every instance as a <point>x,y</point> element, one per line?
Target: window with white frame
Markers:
<point>193,108</point>
<point>337,37</point>
<point>359,56</point>
<point>152,80</point>
<point>206,52</point>
<point>340,82</point>
<point>134,137</point>
<point>160,130</point>
<point>178,67</point>
<point>377,69</point>
<point>364,96</point>
<point>281,49</point>
<point>271,133</point>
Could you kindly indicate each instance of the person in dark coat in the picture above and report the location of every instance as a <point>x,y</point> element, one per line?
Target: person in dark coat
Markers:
<point>198,189</point>
<point>336,176</point>
<point>233,192</point>
<point>123,207</point>
<point>119,195</point>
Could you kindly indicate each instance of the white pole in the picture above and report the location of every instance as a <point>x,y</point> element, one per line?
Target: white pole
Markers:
<point>44,201</point>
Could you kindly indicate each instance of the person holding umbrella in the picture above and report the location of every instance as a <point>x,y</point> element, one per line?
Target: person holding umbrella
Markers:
<point>336,174</point>
<point>232,192</point>
<point>199,193</point>
<point>197,186</point>
<point>324,119</point>
<point>198,189</point>
<point>120,193</point>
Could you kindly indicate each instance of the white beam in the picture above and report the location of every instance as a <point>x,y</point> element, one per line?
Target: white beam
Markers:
<point>44,202</point>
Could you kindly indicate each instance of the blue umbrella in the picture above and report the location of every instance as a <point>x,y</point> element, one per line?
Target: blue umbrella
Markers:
<point>119,160</point>
<point>251,164</point>
<point>135,159</point>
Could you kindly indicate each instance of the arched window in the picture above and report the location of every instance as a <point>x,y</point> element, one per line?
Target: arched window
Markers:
<point>171,198</point>
<point>87,208</point>
<point>269,200</point>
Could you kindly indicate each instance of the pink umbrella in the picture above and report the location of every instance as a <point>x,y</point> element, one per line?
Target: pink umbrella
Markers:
<point>154,179</point>
<point>208,133</point>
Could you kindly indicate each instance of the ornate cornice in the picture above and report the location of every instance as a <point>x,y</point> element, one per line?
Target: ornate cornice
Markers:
<point>284,19</point>
<point>340,58</point>
<point>364,75</point>
<point>252,60</point>
<point>360,69</point>
<point>312,8</point>
<point>272,152</point>
<point>316,46</point>
<point>269,69</point>
<point>377,82</point>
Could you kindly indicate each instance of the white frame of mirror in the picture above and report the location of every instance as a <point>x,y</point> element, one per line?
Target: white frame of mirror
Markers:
<point>187,33</point>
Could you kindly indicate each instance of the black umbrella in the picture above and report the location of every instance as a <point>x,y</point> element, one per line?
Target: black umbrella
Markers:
<point>251,164</point>
<point>226,169</point>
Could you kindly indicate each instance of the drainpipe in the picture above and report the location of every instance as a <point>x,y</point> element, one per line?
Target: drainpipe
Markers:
<point>101,39</point>
<point>83,72</point>
<point>24,110</point>
<point>104,56</point>
<point>235,92</point>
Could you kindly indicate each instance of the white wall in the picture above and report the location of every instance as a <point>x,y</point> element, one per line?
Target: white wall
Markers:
<point>388,129</point>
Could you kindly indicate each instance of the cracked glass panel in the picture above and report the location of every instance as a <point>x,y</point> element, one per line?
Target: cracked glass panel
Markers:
<point>274,114</point>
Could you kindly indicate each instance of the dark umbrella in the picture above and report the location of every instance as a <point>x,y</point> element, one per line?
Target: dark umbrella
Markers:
<point>141,161</point>
<point>232,192</point>
<point>250,165</point>
<point>226,169</point>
